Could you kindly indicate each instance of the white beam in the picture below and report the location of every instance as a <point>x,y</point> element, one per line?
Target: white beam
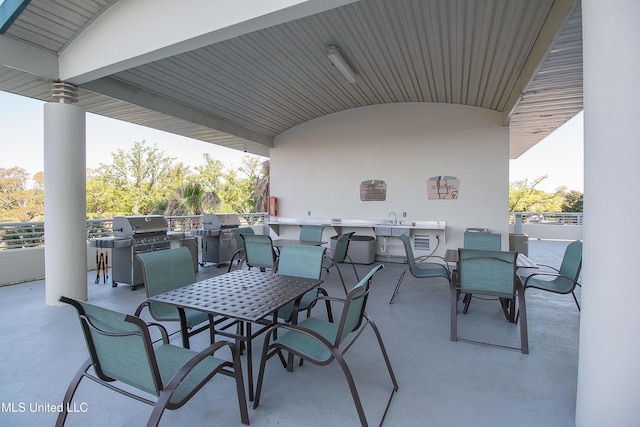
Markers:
<point>119,90</point>
<point>560,12</point>
<point>132,33</point>
<point>28,58</point>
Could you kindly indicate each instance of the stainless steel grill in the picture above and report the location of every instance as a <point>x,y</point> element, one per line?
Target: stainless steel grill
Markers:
<point>133,235</point>
<point>145,234</point>
<point>218,239</point>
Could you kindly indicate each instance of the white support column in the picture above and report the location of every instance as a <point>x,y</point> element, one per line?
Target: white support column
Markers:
<point>609,366</point>
<point>65,198</point>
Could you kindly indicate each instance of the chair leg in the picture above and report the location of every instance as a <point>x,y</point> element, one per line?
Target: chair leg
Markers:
<point>328,304</point>
<point>231,262</point>
<point>454,313</point>
<point>354,268</point>
<point>466,300</point>
<point>522,310</point>
<point>387,362</point>
<point>341,278</point>
<point>384,353</point>
<point>575,299</point>
<point>71,390</point>
<point>240,391</point>
<point>395,291</point>
<point>263,362</point>
<point>352,387</point>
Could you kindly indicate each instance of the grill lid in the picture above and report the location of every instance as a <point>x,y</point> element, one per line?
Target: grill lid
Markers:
<point>220,221</point>
<point>132,226</point>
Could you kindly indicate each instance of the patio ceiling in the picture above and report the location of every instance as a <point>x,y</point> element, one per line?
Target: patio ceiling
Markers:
<point>521,58</point>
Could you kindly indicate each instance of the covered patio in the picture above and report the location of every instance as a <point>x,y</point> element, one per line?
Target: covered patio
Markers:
<point>442,383</point>
<point>442,88</point>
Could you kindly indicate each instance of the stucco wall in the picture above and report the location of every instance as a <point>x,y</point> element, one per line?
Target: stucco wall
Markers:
<point>317,167</point>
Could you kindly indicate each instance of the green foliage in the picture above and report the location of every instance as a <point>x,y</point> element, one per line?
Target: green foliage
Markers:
<point>192,199</point>
<point>136,183</point>
<point>143,181</point>
<point>20,202</point>
<point>525,197</point>
<point>235,189</point>
<point>572,202</point>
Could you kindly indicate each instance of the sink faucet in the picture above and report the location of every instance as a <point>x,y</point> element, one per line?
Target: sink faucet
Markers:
<point>395,217</point>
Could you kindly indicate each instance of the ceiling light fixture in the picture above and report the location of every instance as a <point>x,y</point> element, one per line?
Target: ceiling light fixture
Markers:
<point>341,64</point>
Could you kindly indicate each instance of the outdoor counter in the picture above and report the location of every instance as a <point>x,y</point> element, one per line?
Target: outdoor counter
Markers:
<point>423,234</point>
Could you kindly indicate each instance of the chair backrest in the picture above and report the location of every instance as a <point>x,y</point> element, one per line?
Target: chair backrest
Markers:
<point>572,260</point>
<point>119,345</point>
<point>411,259</point>
<point>259,250</point>
<point>482,240</point>
<point>239,242</point>
<point>301,261</point>
<point>311,233</point>
<point>354,306</point>
<point>163,271</point>
<point>342,247</point>
<point>487,272</point>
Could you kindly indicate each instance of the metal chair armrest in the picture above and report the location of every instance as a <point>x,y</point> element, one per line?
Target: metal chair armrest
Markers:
<point>140,308</point>
<point>163,331</point>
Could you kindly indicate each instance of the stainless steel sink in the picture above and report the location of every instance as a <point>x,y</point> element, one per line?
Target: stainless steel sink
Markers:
<point>391,230</point>
<point>400,230</point>
<point>383,231</point>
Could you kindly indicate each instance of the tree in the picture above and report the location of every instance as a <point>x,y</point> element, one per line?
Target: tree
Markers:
<point>234,187</point>
<point>138,182</point>
<point>210,174</point>
<point>524,197</point>
<point>572,202</point>
<point>261,188</point>
<point>192,199</point>
<point>18,201</point>
<point>239,193</point>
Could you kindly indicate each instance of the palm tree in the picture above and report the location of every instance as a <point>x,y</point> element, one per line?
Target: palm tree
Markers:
<point>261,188</point>
<point>192,199</point>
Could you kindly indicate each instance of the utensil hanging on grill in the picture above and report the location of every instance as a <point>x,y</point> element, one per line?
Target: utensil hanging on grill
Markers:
<point>97,268</point>
<point>101,265</point>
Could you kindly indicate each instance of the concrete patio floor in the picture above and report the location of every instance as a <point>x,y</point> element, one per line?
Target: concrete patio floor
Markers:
<point>442,383</point>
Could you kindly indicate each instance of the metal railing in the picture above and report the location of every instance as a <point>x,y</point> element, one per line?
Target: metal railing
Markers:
<point>16,235</point>
<point>548,218</point>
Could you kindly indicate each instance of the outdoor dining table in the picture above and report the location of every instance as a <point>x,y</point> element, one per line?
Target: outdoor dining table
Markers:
<point>247,296</point>
<point>522,261</point>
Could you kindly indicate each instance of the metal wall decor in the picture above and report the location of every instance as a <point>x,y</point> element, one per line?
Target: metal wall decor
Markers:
<point>373,190</point>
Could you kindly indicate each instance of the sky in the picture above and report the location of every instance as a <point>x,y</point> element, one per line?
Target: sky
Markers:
<point>559,156</point>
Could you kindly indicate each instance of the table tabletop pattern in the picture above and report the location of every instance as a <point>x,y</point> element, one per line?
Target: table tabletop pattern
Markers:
<point>248,295</point>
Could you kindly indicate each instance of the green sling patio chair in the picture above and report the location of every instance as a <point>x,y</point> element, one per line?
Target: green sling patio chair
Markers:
<point>302,261</point>
<point>484,241</point>
<point>321,342</point>
<point>340,255</point>
<point>123,357</point>
<point>559,281</point>
<point>491,274</point>
<point>239,253</point>
<point>259,251</point>
<point>311,233</point>
<point>163,271</point>
<point>421,268</point>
